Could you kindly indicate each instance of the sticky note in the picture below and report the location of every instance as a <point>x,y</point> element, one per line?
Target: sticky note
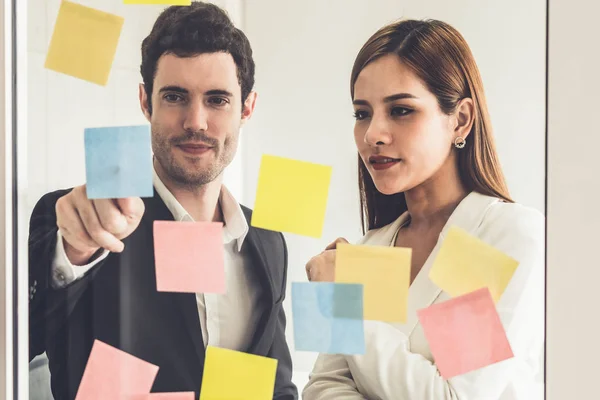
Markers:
<point>189,257</point>
<point>164,396</point>
<point>466,263</point>
<point>111,373</point>
<point>118,162</point>
<point>328,317</point>
<point>84,42</point>
<point>233,375</point>
<point>169,2</point>
<point>291,196</point>
<point>385,273</point>
<point>465,333</point>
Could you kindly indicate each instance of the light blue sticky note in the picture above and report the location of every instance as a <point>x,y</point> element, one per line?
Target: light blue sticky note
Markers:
<point>118,162</point>
<point>328,317</point>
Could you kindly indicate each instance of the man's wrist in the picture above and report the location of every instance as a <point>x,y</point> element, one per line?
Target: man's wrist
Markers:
<point>79,258</point>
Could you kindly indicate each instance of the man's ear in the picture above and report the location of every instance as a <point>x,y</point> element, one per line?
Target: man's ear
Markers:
<point>144,105</point>
<point>248,108</point>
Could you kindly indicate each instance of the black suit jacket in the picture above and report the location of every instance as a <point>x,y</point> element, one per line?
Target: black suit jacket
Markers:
<point>117,302</point>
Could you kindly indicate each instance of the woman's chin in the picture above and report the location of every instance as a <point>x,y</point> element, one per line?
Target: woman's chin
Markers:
<point>389,189</point>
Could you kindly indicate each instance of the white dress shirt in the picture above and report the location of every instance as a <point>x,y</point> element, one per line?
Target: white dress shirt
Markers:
<point>227,320</point>
<point>398,363</point>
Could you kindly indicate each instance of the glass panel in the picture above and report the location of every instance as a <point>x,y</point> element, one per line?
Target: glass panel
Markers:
<point>437,151</point>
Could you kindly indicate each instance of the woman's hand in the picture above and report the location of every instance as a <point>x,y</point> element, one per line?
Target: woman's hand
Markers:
<point>321,268</point>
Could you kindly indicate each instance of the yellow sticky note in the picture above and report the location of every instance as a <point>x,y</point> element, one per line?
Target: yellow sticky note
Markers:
<point>291,196</point>
<point>384,272</point>
<point>466,263</point>
<point>233,375</point>
<point>169,2</point>
<point>84,42</point>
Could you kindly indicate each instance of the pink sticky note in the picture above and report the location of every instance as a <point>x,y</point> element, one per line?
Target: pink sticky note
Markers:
<point>164,396</point>
<point>111,373</point>
<point>189,257</point>
<point>465,333</point>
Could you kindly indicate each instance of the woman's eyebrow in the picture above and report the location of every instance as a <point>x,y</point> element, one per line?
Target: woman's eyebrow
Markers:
<point>387,99</point>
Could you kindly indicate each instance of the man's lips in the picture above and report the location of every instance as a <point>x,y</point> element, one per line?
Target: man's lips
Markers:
<point>194,148</point>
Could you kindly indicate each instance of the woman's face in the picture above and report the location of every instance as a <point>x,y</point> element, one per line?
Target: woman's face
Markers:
<point>401,134</point>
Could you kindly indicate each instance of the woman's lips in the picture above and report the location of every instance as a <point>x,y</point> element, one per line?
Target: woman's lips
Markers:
<point>384,165</point>
<point>381,162</point>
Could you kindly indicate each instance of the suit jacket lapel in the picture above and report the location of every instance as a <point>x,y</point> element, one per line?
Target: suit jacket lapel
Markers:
<point>185,303</point>
<point>262,264</point>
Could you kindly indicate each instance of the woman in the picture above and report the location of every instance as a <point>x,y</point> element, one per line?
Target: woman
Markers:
<point>427,161</point>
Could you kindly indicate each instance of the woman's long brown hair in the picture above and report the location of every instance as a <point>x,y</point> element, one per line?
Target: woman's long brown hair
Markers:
<point>439,55</point>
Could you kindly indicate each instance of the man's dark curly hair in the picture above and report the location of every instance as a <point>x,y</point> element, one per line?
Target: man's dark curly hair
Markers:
<point>192,30</point>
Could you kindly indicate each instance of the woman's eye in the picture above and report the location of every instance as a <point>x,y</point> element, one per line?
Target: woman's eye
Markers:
<point>399,111</point>
<point>360,115</point>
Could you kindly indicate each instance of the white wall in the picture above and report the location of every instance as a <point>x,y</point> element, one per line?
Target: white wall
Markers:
<point>304,53</point>
<point>573,268</point>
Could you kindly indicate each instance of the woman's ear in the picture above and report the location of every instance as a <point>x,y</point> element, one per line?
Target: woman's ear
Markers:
<point>463,118</point>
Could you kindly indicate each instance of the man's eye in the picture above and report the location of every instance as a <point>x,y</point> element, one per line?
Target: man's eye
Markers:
<point>173,98</point>
<point>218,101</point>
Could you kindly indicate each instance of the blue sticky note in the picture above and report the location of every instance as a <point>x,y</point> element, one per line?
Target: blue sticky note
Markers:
<point>328,317</point>
<point>118,162</point>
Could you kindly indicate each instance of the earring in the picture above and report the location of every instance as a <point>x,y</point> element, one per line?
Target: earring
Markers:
<point>460,142</point>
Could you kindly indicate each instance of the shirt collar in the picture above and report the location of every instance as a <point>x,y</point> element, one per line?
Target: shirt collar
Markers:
<point>235,226</point>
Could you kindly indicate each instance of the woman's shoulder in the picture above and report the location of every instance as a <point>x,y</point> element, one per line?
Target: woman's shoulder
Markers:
<point>517,219</point>
<point>515,229</point>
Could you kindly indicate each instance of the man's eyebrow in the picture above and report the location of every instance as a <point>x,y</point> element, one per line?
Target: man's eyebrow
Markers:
<point>387,99</point>
<point>180,90</point>
<point>219,92</point>
<point>173,88</point>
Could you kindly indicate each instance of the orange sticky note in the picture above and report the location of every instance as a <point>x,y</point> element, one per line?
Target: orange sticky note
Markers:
<point>385,273</point>
<point>189,257</point>
<point>165,396</point>
<point>291,196</point>
<point>465,333</point>
<point>84,42</point>
<point>234,375</point>
<point>111,373</point>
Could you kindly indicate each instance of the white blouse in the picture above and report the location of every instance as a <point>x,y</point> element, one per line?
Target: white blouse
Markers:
<point>398,364</point>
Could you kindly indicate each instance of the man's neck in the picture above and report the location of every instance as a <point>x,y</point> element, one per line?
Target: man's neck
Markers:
<point>202,203</point>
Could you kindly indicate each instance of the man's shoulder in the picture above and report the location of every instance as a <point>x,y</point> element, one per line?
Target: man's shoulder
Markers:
<point>264,233</point>
<point>247,212</point>
<point>55,195</point>
<point>48,200</point>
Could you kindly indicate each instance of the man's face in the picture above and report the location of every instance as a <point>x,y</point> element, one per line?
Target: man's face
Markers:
<point>196,116</point>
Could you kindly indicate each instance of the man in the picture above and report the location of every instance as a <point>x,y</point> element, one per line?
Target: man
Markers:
<point>92,272</point>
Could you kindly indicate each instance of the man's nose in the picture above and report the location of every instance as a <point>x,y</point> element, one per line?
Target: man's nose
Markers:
<point>196,118</point>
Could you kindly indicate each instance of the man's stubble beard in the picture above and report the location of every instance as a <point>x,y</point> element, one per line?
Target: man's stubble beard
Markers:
<point>184,177</point>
